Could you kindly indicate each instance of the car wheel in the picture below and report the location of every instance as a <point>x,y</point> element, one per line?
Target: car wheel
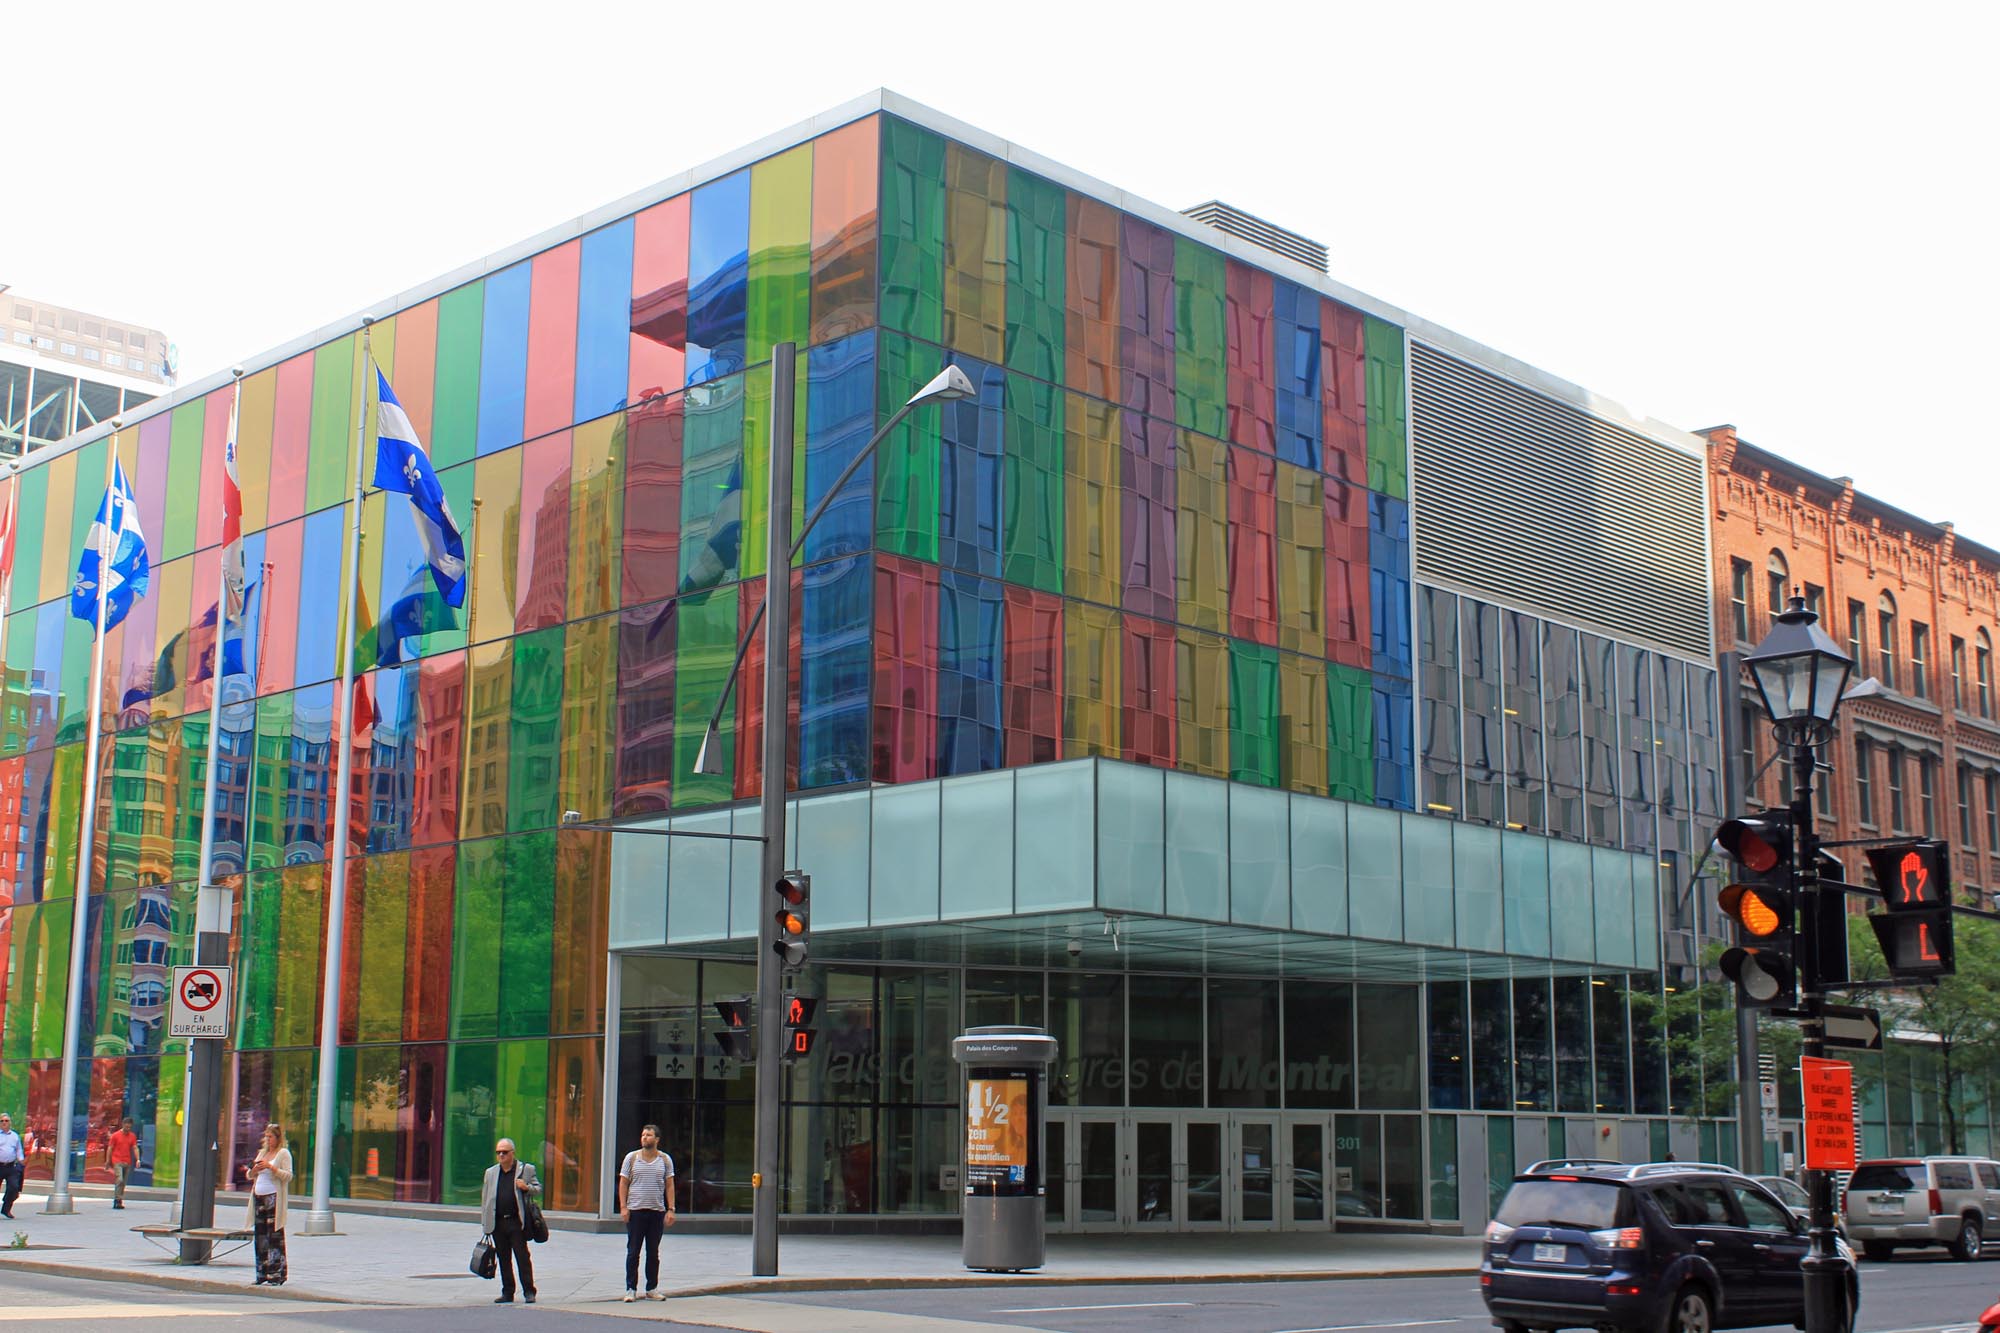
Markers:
<point>1969,1243</point>
<point>1690,1312</point>
<point>1881,1251</point>
<point>1513,1326</point>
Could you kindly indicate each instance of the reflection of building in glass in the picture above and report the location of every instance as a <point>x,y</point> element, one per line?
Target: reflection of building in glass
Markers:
<point>63,370</point>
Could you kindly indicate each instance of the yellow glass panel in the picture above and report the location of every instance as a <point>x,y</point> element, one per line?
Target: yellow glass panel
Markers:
<point>1302,753</point>
<point>1201,533</point>
<point>1301,561</point>
<point>1091,549</point>
<point>780,288</point>
<point>254,416</point>
<point>596,514</point>
<point>590,672</point>
<point>1093,655</point>
<point>975,254</point>
<point>757,463</point>
<point>1201,682</point>
<point>496,535</point>
<point>58,550</point>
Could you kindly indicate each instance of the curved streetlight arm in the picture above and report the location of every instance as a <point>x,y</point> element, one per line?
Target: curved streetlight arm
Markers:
<point>750,631</point>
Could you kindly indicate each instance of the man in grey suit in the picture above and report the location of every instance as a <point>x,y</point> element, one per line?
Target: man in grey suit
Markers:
<point>503,1211</point>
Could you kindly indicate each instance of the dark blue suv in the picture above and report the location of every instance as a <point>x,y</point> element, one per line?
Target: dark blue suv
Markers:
<point>1657,1248</point>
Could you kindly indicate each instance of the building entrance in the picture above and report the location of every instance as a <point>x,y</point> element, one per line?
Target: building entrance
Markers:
<point>1170,1170</point>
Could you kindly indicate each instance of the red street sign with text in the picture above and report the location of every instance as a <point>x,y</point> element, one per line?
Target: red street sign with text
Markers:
<point>1829,1097</point>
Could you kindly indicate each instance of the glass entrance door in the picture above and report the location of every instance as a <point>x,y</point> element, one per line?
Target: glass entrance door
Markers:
<point>1159,1174</point>
<point>1256,1176</point>
<point>1098,1158</point>
<point>1306,1201</point>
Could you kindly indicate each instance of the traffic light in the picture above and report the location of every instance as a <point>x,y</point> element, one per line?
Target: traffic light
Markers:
<point>794,917</point>
<point>799,1030</point>
<point>1763,903</point>
<point>734,1038</point>
<point>1915,931</point>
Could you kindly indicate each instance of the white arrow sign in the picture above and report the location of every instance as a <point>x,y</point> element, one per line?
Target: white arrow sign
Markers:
<point>1854,1028</point>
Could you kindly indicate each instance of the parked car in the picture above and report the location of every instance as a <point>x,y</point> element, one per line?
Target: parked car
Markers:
<point>1917,1201</point>
<point>1661,1245</point>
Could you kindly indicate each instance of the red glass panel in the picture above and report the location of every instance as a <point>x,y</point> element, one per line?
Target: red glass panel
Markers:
<point>645,764</point>
<point>1093,329</point>
<point>420,1110</point>
<point>906,654</point>
<point>1343,376</point>
<point>1150,696</point>
<point>1249,311</point>
<point>551,395</point>
<point>750,691</point>
<point>1032,677</point>
<point>650,562</point>
<point>1253,547</point>
<point>107,1107</point>
<point>438,741</point>
<point>427,945</point>
<point>659,299</point>
<point>291,436</point>
<point>541,571</point>
<point>1347,608</point>
<point>278,625</point>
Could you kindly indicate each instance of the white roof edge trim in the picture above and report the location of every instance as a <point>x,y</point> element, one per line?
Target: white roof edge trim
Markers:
<point>894,103</point>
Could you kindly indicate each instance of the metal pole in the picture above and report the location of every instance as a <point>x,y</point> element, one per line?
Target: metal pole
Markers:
<point>319,1221</point>
<point>1825,1271</point>
<point>1749,1113</point>
<point>214,906</point>
<point>777,672</point>
<point>60,1201</point>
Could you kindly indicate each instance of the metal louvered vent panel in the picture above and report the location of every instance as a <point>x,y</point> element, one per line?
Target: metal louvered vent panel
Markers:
<point>1227,217</point>
<point>1529,499</point>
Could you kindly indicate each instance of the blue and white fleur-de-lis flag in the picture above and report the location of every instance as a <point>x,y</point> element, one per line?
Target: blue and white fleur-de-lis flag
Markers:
<point>402,465</point>
<point>116,533</point>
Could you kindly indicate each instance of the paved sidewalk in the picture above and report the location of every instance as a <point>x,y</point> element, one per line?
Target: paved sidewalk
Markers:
<point>402,1261</point>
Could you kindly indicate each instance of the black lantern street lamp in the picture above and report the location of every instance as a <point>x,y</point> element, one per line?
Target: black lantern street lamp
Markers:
<point>1801,675</point>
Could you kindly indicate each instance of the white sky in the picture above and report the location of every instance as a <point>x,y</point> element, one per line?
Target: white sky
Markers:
<point>1776,214</point>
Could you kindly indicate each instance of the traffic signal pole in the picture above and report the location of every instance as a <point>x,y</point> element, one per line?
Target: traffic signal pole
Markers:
<point>1825,1271</point>
<point>771,1067</point>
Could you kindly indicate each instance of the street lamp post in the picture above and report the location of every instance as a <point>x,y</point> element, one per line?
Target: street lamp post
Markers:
<point>776,612</point>
<point>1800,675</point>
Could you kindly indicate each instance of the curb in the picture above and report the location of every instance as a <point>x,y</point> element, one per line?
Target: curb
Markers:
<point>753,1286</point>
<point>175,1281</point>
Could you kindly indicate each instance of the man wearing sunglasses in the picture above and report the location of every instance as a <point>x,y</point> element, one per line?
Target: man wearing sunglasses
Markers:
<point>503,1211</point>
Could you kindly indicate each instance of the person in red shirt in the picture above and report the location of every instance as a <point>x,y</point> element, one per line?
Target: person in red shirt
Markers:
<point>121,1154</point>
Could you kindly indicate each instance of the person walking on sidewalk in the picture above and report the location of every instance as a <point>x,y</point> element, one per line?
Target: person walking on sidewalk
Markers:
<point>503,1211</point>
<point>270,1180</point>
<point>121,1154</point>
<point>13,1163</point>
<point>646,1202</point>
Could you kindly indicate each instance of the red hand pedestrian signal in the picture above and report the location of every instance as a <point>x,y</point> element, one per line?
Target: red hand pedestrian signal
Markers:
<point>1911,876</point>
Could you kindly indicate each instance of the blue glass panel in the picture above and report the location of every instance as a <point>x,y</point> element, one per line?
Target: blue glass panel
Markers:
<point>976,857</point>
<point>51,623</point>
<point>718,277</point>
<point>840,416</point>
<point>970,612</point>
<point>309,774</point>
<point>836,617</point>
<point>503,360</point>
<point>603,320</point>
<point>392,768</point>
<point>1295,365</point>
<point>1389,583</point>
<point>1131,838</point>
<point>973,441</point>
<point>1395,762</point>
<point>321,564</point>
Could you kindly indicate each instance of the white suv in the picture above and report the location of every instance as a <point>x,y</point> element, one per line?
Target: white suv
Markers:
<point>1948,1201</point>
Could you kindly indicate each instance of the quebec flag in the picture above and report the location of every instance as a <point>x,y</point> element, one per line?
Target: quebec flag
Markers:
<point>402,465</point>
<point>116,530</point>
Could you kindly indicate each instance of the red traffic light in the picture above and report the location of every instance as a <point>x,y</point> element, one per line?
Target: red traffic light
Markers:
<point>1759,844</point>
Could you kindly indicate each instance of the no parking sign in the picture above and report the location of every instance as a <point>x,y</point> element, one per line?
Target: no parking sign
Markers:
<point>200,1002</point>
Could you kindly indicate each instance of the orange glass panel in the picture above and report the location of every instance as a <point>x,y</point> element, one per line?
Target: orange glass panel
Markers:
<point>414,373</point>
<point>846,164</point>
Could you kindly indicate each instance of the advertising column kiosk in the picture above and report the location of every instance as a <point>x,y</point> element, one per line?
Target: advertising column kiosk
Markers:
<point>1006,1100</point>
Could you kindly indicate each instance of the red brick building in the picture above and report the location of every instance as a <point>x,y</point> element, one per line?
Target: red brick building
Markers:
<point>1916,605</point>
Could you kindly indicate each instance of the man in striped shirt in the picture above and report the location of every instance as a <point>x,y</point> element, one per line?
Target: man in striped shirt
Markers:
<point>646,1202</point>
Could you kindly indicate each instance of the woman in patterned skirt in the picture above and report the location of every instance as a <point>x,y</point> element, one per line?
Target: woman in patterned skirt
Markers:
<point>270,1179</point>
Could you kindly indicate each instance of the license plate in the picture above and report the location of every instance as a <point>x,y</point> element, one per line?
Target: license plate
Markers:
<point>1886,1209</point>
<point>1546,1253</point>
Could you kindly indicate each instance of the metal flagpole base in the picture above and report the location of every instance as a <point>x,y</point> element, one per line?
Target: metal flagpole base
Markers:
<point>59,1205</point>
<point>319,1223</point>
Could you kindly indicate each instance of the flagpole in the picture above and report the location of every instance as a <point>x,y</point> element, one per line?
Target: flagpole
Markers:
<point>60,1201</point>
<point>201,1090</point>
<point>319,1221</point>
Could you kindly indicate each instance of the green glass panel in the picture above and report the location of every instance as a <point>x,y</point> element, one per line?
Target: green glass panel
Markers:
<point>111,974</point>
<point>780,287</point>
<point>521,1099</point>
<point>912,229</point>
<point>1037,254</point>
<point>527,923</point>
<point>757,462</point>
<point>30,525</point>
<point>706,649</point>
<point>256,980</point>
<point>906,462</point>
<point>267,783</point>
<point>177,529</point>
<point>1201,340</point>
<point>172,1081</point>
<point>712,501</point>
<point>301,940</point>
<point>471,1118</point>
<point>330,460</point>
<point>534,752</point>
<point>182,751</point>
<point>477,925</point>
<point>1350,733</point>
<point>455,402</point>
<point>1388,434</point>
<point>385,889</point>
<point>1031,485</point>
<point>1253,713</point>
